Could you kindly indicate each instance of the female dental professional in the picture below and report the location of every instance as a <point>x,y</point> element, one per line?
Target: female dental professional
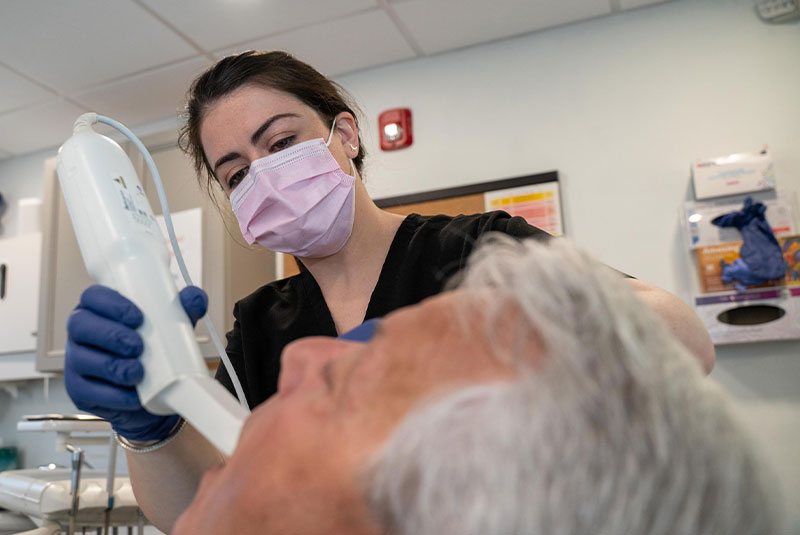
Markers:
<point>283,143</point>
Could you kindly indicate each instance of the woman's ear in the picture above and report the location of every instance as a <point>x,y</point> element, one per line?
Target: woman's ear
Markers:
<point>348,132</point>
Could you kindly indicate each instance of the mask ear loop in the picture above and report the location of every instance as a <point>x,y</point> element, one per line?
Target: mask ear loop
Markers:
<point>328,144</point>
<point>330,136</point>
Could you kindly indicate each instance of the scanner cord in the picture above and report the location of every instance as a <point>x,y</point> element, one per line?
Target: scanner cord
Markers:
<point>162,197</point>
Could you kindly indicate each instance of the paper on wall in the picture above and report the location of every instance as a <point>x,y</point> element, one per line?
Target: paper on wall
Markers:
<point>539,204</point>
<point>188,226</point>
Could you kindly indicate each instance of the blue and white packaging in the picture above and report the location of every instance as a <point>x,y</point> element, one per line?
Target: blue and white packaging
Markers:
<point>732,174</point>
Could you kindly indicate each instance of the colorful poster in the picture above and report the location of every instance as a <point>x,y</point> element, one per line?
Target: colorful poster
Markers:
<point>539,204</point>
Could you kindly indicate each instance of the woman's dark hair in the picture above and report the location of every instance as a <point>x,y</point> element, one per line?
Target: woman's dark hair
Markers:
<point>273,70</point>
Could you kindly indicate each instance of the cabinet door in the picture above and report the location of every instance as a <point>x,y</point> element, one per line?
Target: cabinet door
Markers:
<point>63,275</point>
<point>19,292</point>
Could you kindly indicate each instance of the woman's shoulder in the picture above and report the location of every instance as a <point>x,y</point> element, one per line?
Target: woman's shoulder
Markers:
<point>280,292</point>
<point>446,227</point>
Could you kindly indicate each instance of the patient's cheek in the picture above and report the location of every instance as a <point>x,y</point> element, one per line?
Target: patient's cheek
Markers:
<point>200,515</point>
<point>180,527</point>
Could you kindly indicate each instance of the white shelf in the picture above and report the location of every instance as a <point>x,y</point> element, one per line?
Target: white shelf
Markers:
<point>19,367</point>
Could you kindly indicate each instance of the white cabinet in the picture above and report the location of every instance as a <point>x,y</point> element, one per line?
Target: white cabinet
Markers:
<point>20,260</point>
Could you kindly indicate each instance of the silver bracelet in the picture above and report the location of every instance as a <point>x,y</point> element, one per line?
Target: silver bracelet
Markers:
<point>130,446</point>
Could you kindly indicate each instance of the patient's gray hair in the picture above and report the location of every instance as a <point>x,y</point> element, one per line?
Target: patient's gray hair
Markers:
<point>616,430</point>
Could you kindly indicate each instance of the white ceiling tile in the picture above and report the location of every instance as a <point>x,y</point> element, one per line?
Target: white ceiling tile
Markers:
<point>16,91</point>
<point>340,46</point>
<point>215,24</point>
<point>630,4</point>
<point>145,98</point>
<point>79,43</point>
<point>449,24</point>
<point>37,127</point>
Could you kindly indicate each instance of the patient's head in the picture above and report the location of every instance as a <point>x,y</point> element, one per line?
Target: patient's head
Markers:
<point>539,396</point>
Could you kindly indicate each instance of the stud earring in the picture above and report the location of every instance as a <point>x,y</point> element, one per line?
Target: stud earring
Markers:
<point>353,147</point>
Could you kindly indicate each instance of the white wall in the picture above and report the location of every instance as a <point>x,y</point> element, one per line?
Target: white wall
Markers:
<point>620,106</point>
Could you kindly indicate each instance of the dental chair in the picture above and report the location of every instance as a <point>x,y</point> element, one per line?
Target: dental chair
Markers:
<point>52,500</point>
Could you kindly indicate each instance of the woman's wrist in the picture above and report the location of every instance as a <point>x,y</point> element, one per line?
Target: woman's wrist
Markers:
<point>146,446</point>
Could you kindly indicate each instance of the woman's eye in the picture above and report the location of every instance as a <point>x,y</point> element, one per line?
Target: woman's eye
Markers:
<point>237,177</point>
<point>281,144</point>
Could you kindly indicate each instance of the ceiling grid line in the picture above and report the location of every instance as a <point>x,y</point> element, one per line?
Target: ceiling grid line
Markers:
<point>128,76</point>
<point>54,92</point>
<point>29,78</point>
<point>293,29</point>
<point>141,76</point>
<point>176,31</point>
<point>402,28</point>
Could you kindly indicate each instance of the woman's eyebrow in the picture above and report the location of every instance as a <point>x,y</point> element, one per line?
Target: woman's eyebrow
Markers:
<point>263,128</point>
<point>228,157</point>
<point>254,138</point>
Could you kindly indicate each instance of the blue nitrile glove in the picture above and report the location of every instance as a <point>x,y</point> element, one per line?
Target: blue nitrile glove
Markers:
<point>362,333</point>
<point>101,368</point>
<point>760,257</point>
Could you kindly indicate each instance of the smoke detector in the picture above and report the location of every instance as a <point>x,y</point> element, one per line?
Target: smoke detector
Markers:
<point>778,10</point>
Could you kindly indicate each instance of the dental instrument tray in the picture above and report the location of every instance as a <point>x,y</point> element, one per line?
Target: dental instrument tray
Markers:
<point>63,423</point>
<point>45,494</point>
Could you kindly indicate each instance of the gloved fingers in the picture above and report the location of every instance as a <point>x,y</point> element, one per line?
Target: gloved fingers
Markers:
<point>362,333</point>
<point>195,302</point>
<point>86,327</point>
<point>92,395</point>
<point>90,362</point>
<point>110,304</point>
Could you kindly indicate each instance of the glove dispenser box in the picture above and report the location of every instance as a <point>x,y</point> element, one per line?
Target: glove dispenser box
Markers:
<point>760,312</point>
<point>751,316</point>
<point>733,174</point>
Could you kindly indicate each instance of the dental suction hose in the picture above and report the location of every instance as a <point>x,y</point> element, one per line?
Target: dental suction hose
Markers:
<point>123,248</point>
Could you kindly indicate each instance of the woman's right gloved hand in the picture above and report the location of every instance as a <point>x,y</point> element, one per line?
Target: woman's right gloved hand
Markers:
<point>101,365</point>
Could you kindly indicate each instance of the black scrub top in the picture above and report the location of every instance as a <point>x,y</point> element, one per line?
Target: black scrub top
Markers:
<point>425,253</point>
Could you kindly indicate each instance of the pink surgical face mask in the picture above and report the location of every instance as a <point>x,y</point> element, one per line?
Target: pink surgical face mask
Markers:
<point>298,201</point>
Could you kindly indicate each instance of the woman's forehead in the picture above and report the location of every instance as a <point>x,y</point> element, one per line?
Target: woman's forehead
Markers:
<point>251,104</point>
<point>260,95</point>
<point>236,116</point>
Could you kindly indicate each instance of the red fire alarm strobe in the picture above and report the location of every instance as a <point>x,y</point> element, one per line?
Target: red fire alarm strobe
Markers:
<point>395,128</point>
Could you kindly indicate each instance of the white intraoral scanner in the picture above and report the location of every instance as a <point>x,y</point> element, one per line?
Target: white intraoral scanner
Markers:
<point>123,248</point>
